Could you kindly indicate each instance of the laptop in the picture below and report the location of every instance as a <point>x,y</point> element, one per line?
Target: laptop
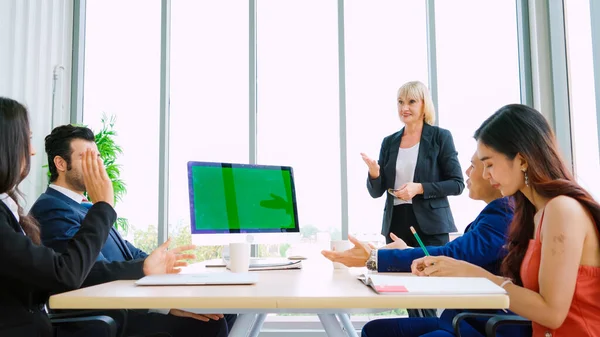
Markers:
<point>225,278</point>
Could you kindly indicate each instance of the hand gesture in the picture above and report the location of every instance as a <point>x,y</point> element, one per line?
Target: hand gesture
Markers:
<point>97,183</point>
<point>200,317</point>
<point>397,244</point>
<point>356,256</point>
<point>164,261</point>
<point>446,266</point>
<point>408,191</point>
<point>372,164</point>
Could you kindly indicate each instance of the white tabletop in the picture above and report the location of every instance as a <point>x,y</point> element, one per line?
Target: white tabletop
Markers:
<point>316,288</point>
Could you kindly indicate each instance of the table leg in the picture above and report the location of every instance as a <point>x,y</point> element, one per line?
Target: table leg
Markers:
<point>331,325</point>
<point>347,324</point>
<point>243,325</point>
<point>257,325</point>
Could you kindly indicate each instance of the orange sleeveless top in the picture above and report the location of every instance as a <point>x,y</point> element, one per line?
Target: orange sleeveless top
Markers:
<point>583,318</point>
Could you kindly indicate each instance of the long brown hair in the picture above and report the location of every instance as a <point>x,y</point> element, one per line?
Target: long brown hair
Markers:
<point>15,158</point>
<point>519,129</point>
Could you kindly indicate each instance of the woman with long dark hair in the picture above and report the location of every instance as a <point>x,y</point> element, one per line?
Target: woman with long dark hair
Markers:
<point>553,264</point>
<point>29,272</point>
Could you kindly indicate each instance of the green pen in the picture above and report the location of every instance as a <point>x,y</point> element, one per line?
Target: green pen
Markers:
<point>412,229</point>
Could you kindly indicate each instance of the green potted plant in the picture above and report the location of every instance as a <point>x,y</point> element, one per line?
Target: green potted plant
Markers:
<point>109,151</point>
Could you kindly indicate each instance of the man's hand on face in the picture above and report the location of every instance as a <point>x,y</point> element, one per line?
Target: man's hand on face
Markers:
<point>165,261</point>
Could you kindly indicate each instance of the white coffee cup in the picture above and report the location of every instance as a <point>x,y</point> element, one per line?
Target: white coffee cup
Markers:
<point>239,257</point>
<point>340,246</point>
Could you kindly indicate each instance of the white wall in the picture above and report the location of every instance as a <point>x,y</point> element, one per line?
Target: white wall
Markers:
<point>35,39</point>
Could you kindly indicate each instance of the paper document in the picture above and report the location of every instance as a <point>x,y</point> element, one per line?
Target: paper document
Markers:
<point>414,285</point>
<point>262,264</point>
<point>224,278</point>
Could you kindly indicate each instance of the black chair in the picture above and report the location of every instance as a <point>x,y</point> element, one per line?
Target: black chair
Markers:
<point>101,325</point>
<point>101,322</point>
<point>493,323</point>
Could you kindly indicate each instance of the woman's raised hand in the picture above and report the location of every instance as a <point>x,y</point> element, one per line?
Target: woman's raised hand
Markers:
<point>372,164</point>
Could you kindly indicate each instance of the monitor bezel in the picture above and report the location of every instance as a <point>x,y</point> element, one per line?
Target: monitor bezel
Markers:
<point>191,164</point>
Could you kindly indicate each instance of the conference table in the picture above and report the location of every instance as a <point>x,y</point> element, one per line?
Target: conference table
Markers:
<point>317,288</point>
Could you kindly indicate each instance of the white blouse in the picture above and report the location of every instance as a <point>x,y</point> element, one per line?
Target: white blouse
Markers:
<point>405,169</point>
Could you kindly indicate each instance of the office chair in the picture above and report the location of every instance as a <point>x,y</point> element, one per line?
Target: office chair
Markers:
<point>104,322</point>
<point>94,322</point>
<point>493,323</point>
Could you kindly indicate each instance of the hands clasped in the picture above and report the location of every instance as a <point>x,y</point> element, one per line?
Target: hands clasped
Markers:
<point>408,191</point>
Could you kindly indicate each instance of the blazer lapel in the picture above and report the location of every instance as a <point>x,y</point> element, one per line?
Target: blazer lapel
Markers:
<point>393,157</point>
<point>121,243</point>
<point>424,150</point>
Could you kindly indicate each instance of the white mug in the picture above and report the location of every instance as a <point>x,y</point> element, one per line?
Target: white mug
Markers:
<point>239,257</point>
<point>340,246</point>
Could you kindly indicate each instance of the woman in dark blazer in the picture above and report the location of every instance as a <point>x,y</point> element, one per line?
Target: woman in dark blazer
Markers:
<point>419,165</point>
<point>29,272</point>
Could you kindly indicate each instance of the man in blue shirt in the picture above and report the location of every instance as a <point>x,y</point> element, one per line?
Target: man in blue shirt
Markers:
<point>481,244</point>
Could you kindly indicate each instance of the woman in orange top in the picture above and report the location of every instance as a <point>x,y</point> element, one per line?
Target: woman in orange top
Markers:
<point>553,262</point>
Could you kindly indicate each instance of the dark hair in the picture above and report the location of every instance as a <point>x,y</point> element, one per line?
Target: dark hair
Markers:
<point>519,129</point>
<point>58,143</point>
<point>15,158</point>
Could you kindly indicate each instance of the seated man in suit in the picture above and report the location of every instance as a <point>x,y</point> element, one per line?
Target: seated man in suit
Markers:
<point>60,211</point>
<point>481,244</point>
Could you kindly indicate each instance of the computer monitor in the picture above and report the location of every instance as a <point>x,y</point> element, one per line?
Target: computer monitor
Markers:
<point>242,202</point>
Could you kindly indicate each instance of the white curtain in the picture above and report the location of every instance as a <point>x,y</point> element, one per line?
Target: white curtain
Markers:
<point>35,69</point>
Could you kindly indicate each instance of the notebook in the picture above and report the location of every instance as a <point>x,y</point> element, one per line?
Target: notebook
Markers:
<point>387,284</point>
<point>225,278</point>
<point>277,266</point>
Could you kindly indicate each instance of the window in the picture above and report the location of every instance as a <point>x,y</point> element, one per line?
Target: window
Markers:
<point>582,95</point>
<point>297,105</point>
<point>122,79</point>
<point>474,35</point>
<point>209,96</point>
<point>380,57</point>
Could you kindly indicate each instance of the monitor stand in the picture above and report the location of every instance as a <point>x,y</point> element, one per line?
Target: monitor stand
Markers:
<point>256,261</point>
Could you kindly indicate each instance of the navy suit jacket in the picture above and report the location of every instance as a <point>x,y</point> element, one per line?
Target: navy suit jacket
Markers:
<point>482,243</point>
<point>60,218</point>
<point>437,169</point>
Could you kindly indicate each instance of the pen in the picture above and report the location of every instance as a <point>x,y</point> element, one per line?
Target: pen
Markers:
<point>412,229</point>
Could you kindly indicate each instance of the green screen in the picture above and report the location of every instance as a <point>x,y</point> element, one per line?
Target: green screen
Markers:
<point>245,199</point>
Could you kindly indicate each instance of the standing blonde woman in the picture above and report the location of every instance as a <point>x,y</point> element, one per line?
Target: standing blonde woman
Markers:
<point>420,164</point>
<point>417,170</point>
